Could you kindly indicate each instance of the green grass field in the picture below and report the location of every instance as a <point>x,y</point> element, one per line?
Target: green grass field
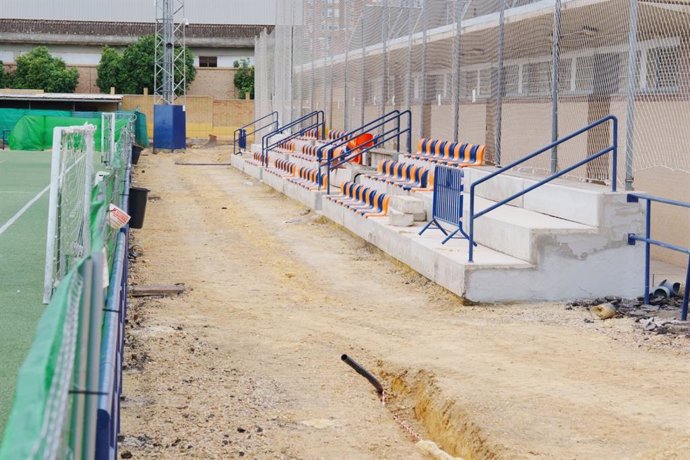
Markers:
<point>24,178</point>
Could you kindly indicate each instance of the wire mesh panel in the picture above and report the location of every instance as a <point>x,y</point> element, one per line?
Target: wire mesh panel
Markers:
<point>107,136</point>
<point>68,236</point>
<point>510,74</point>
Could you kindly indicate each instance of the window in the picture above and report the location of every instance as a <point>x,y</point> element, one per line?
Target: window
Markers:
<point>327,27</point>
<point>511,80</point>
<point>565,71</point>
<point>485,80</point>
<point>208,61</point>
<point>584,74</point>
<point>468,83</point>
<point>538,81</point>
<point>662,69</point>
<point>331,13</point>
<point>440,84</point>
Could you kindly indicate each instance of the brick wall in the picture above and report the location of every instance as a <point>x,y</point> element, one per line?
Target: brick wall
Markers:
<point>205,115</point>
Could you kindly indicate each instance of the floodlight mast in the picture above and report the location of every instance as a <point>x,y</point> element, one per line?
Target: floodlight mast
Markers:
<point>170,56</point>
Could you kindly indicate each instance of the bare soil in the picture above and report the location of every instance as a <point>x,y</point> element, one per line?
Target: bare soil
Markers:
<point>247,362</point>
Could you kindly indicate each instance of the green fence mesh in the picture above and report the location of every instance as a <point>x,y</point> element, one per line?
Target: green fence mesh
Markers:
<point>35,132</point>
<point>9,118</point>
<point>48,418</point>
<point>36,426</point>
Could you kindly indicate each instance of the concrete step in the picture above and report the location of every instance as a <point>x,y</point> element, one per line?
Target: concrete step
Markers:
<point>495,276</point>
<point>512,230</point>
<point>566,199</point>
<point>520,232</point>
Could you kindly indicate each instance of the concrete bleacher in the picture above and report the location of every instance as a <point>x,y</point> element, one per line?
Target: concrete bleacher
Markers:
<point>561,241</point>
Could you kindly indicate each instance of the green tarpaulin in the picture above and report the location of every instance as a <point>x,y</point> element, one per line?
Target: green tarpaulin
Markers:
<point>9,118</point>
<point>35,132</point>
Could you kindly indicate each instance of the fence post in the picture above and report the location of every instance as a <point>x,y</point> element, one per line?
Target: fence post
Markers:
<point>456,72</point>
<point>630,117</point>
<point>292,64</point>
<point>408,70</point>
<point>422,123</point>
<point>362,88</point>
<point>499,83</point>
<point>555,63</point>
<point>324,66</point>
<point>313,56</point>
<point>346,91</point>
<point>384,54</point>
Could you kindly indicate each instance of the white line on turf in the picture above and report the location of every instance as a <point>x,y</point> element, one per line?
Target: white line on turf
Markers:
<point>19,213</point>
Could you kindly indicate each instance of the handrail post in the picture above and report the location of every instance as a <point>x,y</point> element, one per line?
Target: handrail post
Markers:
<point>686,295</point>
<point>328,166</point>
<point>471,238</point>
<point>614,173</point>
<point>648,227</point>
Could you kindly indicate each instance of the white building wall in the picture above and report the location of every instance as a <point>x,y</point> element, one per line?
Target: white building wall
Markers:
<point>197,11</point>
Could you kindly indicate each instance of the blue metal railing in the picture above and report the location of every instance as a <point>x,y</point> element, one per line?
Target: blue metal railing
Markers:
<point>239,131</point>
<point>400,127</point>
<point>612,148</point>
<point>316,120</point>
<point>648,241</point>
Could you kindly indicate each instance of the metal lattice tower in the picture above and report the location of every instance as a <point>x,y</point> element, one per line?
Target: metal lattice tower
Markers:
<point>170,79</point>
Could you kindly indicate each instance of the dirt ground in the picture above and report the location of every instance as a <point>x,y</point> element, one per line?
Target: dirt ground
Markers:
<point>246,363</point>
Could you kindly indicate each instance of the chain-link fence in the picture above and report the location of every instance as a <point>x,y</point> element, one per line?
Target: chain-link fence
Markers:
<point>511,74</point>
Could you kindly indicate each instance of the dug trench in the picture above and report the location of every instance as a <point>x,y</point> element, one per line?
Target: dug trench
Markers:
<point>246,363</point>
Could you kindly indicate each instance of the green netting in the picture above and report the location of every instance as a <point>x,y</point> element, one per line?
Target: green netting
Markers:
<point>10,117</point>
<point>45,421</point>
<point>35,132</point>
<point>140,135</point>
<point>38,401</point>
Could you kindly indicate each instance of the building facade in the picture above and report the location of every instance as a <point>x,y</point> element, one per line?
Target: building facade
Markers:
<point>218,34</point>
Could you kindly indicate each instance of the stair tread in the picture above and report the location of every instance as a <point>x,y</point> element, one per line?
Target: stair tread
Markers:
<point>517,216</point>
<point>458,249</point>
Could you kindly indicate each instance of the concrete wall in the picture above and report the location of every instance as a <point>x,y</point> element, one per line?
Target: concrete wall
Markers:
<point>205,115</point>
<point>197,11</point>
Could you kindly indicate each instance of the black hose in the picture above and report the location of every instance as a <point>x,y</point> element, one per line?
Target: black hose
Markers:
<point>363,372</point>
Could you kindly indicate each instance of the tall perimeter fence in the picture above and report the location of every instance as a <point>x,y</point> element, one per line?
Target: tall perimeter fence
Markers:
<point>68,390</point>
<point>511,74</point>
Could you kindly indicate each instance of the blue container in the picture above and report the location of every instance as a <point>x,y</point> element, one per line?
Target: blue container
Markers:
<point>243,138</point>
<point>169,127</point>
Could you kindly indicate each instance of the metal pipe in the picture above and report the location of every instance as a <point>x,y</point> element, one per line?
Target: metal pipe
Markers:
<point>346,90</point>
<point>647,246</point>
<point>456,73</point>
<point>686,295</point>
<point>630,115</point>
<point>384,54</point>
<point>362,92</point>
<point>425,25</point>
<point>364,373</point>
<point>555,61</point>
<point>499,84</point>
<point>313,56</point>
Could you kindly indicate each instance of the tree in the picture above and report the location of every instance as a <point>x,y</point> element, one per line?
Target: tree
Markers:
<point>244,78</point>
<point>109,70</point>
<point>5,77</point>
<point>132,70</point>
<point>37,69</point>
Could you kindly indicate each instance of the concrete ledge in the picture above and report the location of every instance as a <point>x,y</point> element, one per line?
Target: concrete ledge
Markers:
<point>237,162</point>
<point>252,170</point>
<point>274,181</point>
<point>309,198</point>
<point>570,200</point>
